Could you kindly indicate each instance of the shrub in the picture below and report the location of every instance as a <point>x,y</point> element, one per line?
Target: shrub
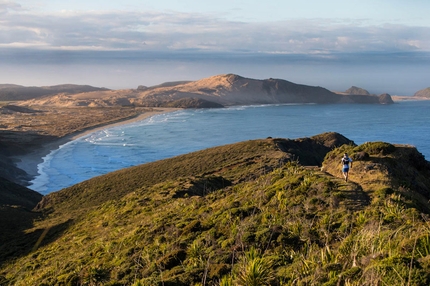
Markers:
<point>254,270</point>
<point>226,281</point>
<point>376,148</point>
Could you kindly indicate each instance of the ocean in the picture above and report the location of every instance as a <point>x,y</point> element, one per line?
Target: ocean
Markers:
<point>167,135</point>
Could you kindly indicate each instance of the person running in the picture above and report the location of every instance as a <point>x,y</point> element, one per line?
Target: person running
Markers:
<point>346,164</point>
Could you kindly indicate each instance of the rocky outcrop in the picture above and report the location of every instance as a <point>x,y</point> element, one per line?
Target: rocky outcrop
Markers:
<point>385,98</point>
<point>357,93</point>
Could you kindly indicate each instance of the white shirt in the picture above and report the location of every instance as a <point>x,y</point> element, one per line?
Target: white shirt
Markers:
<point>345,161</point>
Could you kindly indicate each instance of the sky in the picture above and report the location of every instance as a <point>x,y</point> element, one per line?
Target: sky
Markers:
<point>379,45</point>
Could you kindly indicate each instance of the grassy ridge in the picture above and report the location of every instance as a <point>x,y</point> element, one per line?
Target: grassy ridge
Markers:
<point>243,214</point>
<point>235,162</point>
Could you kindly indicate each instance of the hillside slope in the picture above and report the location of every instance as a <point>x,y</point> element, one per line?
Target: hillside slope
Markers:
<point>16,203</point>
<point>15,195</point>
<point>252,213</point>
<point>423,93</point>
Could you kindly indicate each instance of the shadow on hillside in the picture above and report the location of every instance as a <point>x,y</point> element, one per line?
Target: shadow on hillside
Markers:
<point>353,198</point>
<point>202,187</point>
<point>13,222</point>
<point>16,241</point>
<point>21,142</point>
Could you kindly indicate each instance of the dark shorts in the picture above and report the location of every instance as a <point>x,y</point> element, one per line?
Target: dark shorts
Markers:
<point>345,169</point>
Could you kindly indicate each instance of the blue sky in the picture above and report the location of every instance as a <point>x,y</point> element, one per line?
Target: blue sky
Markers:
<point>381,45</point>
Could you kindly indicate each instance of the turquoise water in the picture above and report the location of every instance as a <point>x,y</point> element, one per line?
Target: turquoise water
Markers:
<point>184,131</point>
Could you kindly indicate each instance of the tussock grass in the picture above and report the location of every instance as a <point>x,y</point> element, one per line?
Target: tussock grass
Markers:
<point>247,216</point>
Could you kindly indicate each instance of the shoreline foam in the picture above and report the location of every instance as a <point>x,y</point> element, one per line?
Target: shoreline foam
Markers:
<point>30,161</point>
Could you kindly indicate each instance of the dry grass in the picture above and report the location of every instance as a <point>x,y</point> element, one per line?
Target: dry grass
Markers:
<point>59,122</point>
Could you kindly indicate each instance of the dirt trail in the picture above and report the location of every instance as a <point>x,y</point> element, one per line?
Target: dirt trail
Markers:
<point>349,194</point>
<point>353,196</point>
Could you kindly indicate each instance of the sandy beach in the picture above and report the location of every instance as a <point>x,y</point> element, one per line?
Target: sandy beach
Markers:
<point>403,98</point>
<point>30,161</point>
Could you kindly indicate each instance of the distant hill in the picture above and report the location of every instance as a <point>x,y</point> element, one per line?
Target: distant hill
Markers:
<point>2,86</point>
<point>10,92</point>
<point>170,84</point>
<point>231,89</point>
<point>353,90</point>
<point>423,93</point>
<point>273,210</point>
<point>219,90</point>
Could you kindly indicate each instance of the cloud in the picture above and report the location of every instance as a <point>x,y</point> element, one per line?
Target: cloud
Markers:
<point>172,32</point>
<point>6,6</point>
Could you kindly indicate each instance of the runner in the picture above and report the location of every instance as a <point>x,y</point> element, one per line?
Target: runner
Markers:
<point>346,162</point>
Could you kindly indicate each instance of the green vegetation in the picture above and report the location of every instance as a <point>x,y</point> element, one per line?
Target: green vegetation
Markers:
<point>243,214</point>
<point>375,148</point>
